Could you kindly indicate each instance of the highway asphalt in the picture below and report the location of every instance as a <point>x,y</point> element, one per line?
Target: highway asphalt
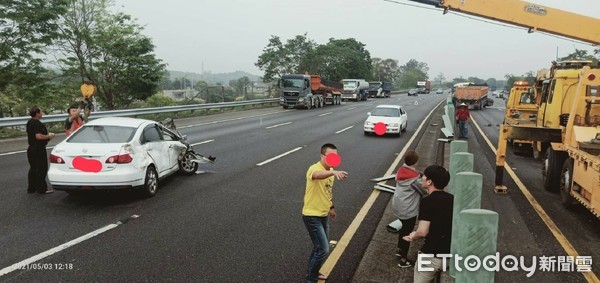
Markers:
<point>522,232</point>
<point>235,222</point>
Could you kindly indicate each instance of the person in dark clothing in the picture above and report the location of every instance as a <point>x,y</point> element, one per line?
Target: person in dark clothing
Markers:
<point>37,137</point>
<point>435,223</point>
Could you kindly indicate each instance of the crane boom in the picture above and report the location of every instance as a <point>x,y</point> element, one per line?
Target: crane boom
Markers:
<point>528,15</point>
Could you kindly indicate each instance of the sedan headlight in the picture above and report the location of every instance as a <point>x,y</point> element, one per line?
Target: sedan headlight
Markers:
<point>367,123</point>
<point>393,125</point>
<point>301,99</point>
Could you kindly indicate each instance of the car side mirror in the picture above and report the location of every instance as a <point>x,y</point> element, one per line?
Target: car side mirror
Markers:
<point>368,113</point>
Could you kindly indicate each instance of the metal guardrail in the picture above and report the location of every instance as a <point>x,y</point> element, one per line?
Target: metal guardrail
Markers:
<point>22,120</point>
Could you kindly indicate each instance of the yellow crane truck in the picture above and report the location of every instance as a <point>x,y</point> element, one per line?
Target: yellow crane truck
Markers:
<point>568,119</point>
<point>521,109</point>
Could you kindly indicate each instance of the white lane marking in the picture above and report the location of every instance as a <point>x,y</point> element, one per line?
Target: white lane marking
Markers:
<point>352,108</point>
<point>52,251</point>
<point>20,151</point>
<point>278,125</point>
<point>325,114</point>
<point>203,142</point>
<point>279,156</point>
<point>229,120</point>
<point>344,129</point>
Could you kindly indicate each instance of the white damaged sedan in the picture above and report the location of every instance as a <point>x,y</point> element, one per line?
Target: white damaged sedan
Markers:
<point>116,153</point>
<point>386,119</point>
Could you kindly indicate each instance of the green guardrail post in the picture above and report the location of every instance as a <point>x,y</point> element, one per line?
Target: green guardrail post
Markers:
<point>467,195</point>
<point>477,245</point>
<point>459,162</point>
<point>455,147</point>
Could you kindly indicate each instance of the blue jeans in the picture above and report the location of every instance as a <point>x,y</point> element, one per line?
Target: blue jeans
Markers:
<point>462,127</point>
<point>318,229</point>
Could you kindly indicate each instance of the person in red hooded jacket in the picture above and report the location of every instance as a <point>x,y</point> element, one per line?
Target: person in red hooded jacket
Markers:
<point>405,202</point>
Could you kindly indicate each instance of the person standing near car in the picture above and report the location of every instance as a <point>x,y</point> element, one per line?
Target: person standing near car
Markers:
<point>37,138</point>
<point>75,119</point>
<point>318,209</point>
<point>405,202</point>
<point>435,224</point>
<point>462,117</point>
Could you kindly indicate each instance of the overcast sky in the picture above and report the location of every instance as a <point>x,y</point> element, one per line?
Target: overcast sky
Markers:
<point>229,35</point>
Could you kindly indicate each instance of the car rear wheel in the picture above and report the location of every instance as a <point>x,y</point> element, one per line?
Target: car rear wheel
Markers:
<point>151,182</point>
<point>186,165</point>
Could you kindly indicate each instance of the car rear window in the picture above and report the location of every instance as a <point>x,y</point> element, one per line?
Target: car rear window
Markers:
<point>102,134</point>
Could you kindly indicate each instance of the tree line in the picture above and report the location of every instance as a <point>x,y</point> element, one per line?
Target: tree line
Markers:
<point>335,60</point>
<point>348,58</point>
<point>49,48</point>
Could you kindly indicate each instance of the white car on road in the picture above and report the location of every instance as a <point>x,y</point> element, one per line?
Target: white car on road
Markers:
<point>394,118</point>
<point>117,153</point>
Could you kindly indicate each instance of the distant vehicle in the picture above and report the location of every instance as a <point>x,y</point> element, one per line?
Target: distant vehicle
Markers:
<point>120,153</point>
<point>424,86</point>
<point>473,95</point>
<point>439,91</point>
<point>392,116</point>
<point>374,88</point>
<point>308,91</point>
<point>387,88</point>
<point>355,89</point>
<point>413,92</point>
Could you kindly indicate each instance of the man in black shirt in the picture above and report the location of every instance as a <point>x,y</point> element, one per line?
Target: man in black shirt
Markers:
<point>435,223</point>
<point>37,137</point>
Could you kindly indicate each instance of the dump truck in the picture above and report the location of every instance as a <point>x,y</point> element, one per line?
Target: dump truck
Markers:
<point>386,88</point>
<point>474,95</point>
<point>424,86</point>
<point>308,91</point>
<point>355,89</point>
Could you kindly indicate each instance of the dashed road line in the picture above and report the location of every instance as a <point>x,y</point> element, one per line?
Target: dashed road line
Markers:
<point>20,151</point>
<point>279,156</point>
<point>278,125</point>
<point>344,129</point>
<point>233,119</point>
<point>325,114</point>
<point>202,142</point>
<point>22,264</point>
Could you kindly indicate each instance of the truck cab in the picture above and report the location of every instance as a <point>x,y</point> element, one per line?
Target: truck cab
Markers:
<point>355,89</point>
<point>308,91</point>
<point>295,91</point>
<point>521,109</point>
